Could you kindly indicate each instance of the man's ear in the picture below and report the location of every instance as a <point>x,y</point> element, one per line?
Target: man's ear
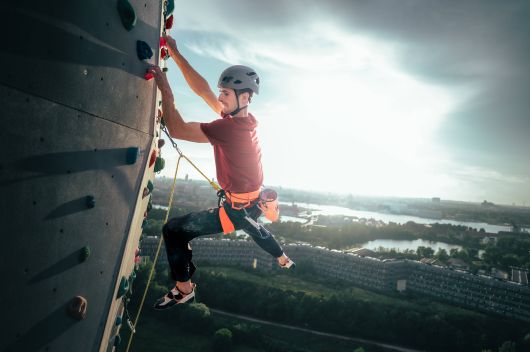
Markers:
<point>245,98</point>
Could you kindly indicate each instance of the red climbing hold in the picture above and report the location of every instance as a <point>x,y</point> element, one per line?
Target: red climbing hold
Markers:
<point>152,160</point>
<point>163,42</point>
<point>169,22</point>
<point>164,53</point>
<point>148,76</point>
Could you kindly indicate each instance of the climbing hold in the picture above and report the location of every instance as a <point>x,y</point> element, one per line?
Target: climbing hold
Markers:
<point>131,326</point>
<point>159,164</point>
<point>117,340</point>
<point>118,320</point>
<point>143,50</point>
<point>161,143</point>
<point>165,69</point>
<point>163,42</point>
<point>133,276</point>
<point>124,287</point>
<point>84,254</point>
<point>137,252</point>
<point>145,222</point>
<point>148,76</point>
<point>90,201</point>
<point>170,7</point>
<point>150,186</point>
<point>152,159</point>
<point>77,307</point>
<point>145,192</point>
<point>127,14</point>
<point>164,53</point>
<point>133,153</point>
<point>169,22</point>
<point>137,260</point>
<point>149,206</point>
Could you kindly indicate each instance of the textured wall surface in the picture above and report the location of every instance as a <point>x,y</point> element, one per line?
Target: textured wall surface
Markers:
<point>73,101</point>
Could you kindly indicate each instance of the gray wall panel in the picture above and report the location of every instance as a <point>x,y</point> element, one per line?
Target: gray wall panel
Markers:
<point>78,54</point>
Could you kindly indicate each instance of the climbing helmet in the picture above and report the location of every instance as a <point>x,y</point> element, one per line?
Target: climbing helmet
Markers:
<point>239,77</point>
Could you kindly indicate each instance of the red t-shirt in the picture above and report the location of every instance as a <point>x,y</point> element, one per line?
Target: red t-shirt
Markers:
<point>237,152</point>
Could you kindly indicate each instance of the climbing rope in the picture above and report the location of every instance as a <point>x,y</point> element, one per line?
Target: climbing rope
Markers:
<point>171,193</point>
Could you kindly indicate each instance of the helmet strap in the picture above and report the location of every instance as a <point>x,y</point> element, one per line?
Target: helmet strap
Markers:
<point>238,108</point>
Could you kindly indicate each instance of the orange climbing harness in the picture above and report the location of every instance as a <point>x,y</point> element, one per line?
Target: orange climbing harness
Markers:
<point>266,199</point>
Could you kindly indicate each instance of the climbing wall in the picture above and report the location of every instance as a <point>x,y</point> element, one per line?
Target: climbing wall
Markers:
<point>79,148</point>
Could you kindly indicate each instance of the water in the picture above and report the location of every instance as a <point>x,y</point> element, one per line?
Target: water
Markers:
<point>330,210</point>
<point>402,245</point>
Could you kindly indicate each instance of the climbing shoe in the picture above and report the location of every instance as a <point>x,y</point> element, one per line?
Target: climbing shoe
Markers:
<point>288,265</point>
<point>174,297</point>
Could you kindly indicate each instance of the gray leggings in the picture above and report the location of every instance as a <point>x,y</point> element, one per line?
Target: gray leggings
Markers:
<point>178,232</point>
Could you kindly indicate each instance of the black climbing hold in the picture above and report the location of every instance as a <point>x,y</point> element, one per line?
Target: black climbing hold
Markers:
<point>127,14</point>
<point>77,307</point>
<point>149,206</point>
<point>170,7</point>
<point>117,340</point>
<point>124,287</point>
<point>84,254</point>
<point>159,164</point>
<point>165,69</point>
<point>90,201</point>
<point>161,143</point>
<point>143,50</point>
<point>133,153</point>
<point>118,320</point>
<point>150,186</point>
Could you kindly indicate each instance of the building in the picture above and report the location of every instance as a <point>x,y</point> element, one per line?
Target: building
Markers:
<point>476,292</point>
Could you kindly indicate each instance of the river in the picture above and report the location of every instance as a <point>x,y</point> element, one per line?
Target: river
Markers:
<point>317,209</point>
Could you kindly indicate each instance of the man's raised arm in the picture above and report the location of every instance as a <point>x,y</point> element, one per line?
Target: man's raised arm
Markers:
<point>196,82</point>
<point>177,127</point>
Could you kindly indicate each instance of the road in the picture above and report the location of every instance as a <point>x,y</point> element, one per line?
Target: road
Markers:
<point>315,332</point>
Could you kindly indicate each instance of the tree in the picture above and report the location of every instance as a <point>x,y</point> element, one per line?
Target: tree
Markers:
<point>222,340</point>
<point>425,251</point>
<point>442,254</point>
<point>507,346</point>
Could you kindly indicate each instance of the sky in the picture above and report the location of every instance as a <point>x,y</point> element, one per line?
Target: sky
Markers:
<point>374,98</point>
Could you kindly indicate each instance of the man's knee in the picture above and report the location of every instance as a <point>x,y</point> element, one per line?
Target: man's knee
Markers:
<point>172,228</point>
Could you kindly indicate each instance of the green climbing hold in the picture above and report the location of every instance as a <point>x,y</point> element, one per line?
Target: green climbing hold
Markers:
<point>150,186</point>
<point>118,320</point>
<point>133,276</point>
<point>149,206</point>
<point>90,202</point>
<point>127,14</point>
<point>143,50</point>
<point>133,154</point>
<point>170,7</point>
<point>159,164</point>
<point>145,223</point>
<point>124,287</point>
<point>84,254</point>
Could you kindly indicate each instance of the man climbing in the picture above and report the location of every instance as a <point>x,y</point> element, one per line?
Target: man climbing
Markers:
<point>238,163</point>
